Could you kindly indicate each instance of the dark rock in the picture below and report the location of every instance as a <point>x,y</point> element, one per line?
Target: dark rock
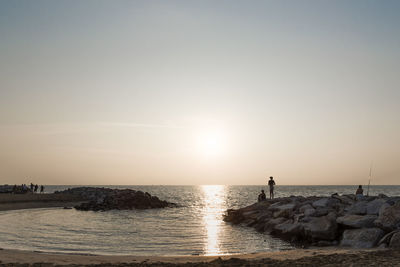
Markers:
<point>321,211</point>
<point>357,221</point>
<point>325,243</point>
<point>322,221</point>
<point>374,206</point>
<point>358,208</point>
<point>289,230</point>
<point>322,203</point>
<point>284,210</point>
<point>361,238</point>
<point>395,240</point>
<point>270,225</point>
<point>305,207</point>
<point>386,238</point>
<point>234,216</point>
<point>102,199</point>
<point>389,218</point>
<point>344,199</point>
<point>324,228</point>
<point>310,212</point>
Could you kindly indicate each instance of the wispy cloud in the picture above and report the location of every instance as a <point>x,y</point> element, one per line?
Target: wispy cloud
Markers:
<point>77,128</point>
<point>139,125</point>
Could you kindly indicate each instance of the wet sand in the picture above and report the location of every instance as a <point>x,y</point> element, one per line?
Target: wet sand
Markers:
<point>297,257</point>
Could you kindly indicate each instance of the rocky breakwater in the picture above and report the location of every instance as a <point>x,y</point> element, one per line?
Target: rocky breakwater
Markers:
<point>326,221</point>
<point>103,199</point>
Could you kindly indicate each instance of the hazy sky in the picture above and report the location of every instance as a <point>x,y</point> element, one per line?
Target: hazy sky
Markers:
<point>199,92</point>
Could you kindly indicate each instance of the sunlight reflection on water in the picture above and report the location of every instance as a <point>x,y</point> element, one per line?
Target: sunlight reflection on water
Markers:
<point>214,198</point>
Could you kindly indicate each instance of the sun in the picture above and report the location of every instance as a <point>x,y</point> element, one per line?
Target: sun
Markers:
<point>212,143</point>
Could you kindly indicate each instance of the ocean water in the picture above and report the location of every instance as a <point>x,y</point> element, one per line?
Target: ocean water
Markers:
<point>196,228</point>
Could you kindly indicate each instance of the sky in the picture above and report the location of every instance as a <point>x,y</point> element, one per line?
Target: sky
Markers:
<point>199,92</point>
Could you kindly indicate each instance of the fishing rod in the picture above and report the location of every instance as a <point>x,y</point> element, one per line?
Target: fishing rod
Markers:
<point>370,175</point>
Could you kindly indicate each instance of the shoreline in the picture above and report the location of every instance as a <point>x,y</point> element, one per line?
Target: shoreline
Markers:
<point>297,257</point>
<point>10,201</point>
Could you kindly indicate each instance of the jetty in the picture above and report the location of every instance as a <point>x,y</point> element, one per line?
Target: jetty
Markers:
<point>81,198</point>
<point>103,199</point>
<point>338,220</point>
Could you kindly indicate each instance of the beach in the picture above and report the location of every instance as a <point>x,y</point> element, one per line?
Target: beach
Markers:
<point>297,257</point>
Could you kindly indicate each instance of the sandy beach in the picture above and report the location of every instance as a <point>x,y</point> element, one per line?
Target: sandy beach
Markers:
<point>297,257</point>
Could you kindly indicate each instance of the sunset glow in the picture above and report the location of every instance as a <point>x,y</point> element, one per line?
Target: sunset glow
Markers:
<point>212,143</point>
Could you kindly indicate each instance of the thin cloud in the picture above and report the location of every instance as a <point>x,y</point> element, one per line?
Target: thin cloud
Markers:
<point>77,128</point>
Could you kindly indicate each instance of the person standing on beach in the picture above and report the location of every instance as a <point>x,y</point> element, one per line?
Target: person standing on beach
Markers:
<point>271,184</point>
<point>41,189</point>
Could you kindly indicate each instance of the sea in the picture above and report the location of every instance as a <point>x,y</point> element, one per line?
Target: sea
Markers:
<point>194,228</point>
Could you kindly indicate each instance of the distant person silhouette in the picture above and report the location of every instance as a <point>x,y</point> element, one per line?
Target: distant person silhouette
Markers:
<point>36,188</point>
<point>271,184</point>
<point>262,196</point>
<point>359,193</point>
<point>41,189</point>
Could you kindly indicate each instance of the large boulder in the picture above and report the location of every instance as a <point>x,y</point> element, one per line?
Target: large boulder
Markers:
<point>386,238</point>
<point>321,228</point>
<point>374,206</point>
<point>270,224</point>
<point>358,208</point>
<point>383,207</point>
<point>284,210</point>
<point>310,212</point>
<point>321,211</point>
<point>325,202</point>
<point>345,199</point>
<point>389,218</point>
<point>357,221</point>
<point>395,240</point>
<point>361,238</point>
<point>289,230</point>
<point>305,207</point>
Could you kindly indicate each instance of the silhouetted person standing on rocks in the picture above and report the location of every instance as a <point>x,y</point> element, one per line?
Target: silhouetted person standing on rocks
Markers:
<point>36,188</point>
<point>41,189</point>
<point>271,184</point>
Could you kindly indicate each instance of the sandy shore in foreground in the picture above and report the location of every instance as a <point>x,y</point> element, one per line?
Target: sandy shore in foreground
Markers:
<point>31,201</point>
<point>297,257</point>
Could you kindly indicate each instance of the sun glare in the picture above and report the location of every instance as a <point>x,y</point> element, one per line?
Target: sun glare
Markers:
<point>212,143</point>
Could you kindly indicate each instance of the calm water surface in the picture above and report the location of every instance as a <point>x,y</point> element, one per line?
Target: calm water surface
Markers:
<point>195,228</point>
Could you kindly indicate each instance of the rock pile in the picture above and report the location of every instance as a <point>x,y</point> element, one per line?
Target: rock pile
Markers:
<point>326,221</point>
<point>103,199</point>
